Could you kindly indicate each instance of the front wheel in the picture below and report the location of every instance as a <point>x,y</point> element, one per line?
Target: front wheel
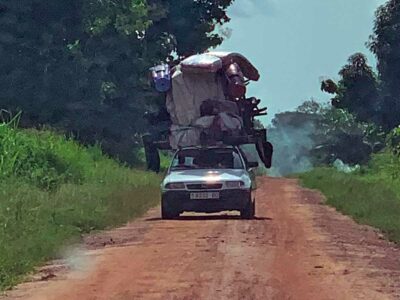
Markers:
<point>249,211</point>
<point>167,213</point>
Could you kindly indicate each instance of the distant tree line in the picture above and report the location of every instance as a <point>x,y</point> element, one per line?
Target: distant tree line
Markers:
<point>82,65</point>
<point>319,134</point>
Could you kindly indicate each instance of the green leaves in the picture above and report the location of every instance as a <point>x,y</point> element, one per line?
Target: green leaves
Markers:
<point>33,159</point>
<point>99,25</point>
<point>375,97</point>
<point>82,65</point>
<point>52,190</point>
<point>127,17</point>
<point>393,141</point>
<point>358,92</point>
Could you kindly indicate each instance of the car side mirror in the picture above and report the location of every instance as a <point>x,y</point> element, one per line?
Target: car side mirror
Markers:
<point>252,165</point>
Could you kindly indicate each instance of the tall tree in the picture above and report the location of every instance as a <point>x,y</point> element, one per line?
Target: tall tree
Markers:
<point>357,91</point>
<point>385,44</point>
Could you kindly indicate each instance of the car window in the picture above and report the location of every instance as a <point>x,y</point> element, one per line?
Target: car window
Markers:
<point>207,159</point>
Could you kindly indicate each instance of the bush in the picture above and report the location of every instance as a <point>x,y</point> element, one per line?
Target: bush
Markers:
<point>52,190</point>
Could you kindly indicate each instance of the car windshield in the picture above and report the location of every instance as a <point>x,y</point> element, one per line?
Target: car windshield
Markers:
<point>215,158</point>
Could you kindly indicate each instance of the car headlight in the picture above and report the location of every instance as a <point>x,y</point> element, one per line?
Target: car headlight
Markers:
<point>234,184</point>
<point>175,186</point>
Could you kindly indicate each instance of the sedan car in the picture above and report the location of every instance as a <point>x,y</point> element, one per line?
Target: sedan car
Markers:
<point>209,180</point>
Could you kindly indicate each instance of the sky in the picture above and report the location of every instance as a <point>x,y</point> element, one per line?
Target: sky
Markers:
<point>295,43</point>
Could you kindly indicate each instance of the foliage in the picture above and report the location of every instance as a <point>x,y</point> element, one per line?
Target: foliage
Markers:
<point>81,65</point>
<point>318,134</point>
<point>393,147</point>
<point>357,91</point>
<point>340,136</point>
<point>53,190</point>
<point>385,44</point>
<point>371,198</point>
<point>310,107</point>
<point>192,24</point>
<point>371,97</point>
<point>393,141</point>
<point>41,159</point>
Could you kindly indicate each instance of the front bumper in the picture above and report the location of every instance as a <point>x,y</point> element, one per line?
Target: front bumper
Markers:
<point>235,199</point>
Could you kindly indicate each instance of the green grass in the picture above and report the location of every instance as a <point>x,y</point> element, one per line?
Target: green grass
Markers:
<point>371,196</point>
<point>52,190</point>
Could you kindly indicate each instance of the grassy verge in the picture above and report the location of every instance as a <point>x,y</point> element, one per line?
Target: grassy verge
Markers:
<point>52,190</point>
<point>371,196</point>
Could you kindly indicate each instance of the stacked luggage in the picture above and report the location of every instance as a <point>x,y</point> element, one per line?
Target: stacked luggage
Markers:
<point>206,103</point>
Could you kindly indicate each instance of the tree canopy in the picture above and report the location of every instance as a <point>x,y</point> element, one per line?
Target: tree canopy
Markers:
<point>385,44</point>
<point>82,65</point>
<point>357,91</point>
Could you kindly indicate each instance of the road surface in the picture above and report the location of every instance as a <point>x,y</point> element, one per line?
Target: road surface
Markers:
<point>296,248</point>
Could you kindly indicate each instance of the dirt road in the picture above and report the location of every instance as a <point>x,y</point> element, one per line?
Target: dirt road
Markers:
<point>295,249</point>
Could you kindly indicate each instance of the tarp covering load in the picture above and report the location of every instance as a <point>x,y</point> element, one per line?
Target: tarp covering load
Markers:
<point>206,103</point>
<point>200,97</point>
<point>188,92</point>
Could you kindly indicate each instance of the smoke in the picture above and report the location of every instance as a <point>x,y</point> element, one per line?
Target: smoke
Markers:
<point>292,145</point>
<point>78,261</point>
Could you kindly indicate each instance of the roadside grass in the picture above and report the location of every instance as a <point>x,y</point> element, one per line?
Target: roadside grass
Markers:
<point>52,190</point>
<point>371,196</point>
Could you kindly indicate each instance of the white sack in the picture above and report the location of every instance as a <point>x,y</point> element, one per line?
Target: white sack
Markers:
<point>188,93</point>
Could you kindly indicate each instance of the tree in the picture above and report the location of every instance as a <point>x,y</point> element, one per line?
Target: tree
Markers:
<point>339,135</point>
<point>368,96</point>
<point>192,24</point>
<point>318,134</point>
<point>82,65</point>
<point>385,44</point>
<point>310,107</point>
<point>358,92</point>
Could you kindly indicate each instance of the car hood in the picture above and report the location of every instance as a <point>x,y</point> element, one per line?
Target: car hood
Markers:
<point>206,175</point>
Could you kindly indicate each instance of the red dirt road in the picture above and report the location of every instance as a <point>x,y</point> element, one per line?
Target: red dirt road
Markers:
<point>295,249</point>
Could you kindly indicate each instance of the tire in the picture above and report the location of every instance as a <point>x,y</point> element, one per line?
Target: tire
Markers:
<point>265,150</point>
<point>167,213</point>
<point>249,211</point>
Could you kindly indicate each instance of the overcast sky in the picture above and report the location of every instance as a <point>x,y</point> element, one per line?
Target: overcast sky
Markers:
<point>296,42</point>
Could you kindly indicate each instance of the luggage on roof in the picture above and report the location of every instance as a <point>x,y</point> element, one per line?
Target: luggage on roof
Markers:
<point>206,103</point>
<point>212,62</point>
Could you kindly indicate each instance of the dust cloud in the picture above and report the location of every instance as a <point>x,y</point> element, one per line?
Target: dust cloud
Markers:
<point>292,146</point>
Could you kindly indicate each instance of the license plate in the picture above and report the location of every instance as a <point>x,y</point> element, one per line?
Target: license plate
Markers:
<point>204,195</point>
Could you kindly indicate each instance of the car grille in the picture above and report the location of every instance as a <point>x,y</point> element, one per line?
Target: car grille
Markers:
<point>204,186</point>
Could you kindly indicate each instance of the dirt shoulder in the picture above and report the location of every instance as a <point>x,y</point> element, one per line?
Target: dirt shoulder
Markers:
<point>296,248</point>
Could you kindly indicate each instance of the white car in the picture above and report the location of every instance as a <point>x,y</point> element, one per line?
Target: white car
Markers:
<point>209,180</point>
